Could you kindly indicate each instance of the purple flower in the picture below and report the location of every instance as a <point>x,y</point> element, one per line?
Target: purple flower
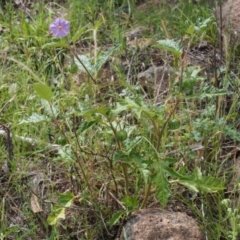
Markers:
<point>59,28</point>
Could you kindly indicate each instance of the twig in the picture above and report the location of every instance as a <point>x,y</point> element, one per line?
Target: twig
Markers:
<point>120,204</point>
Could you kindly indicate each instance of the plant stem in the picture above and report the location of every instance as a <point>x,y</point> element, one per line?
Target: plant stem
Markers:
<point>124,165</point>
<point>146,195</point>
<point>75,154</point>
<point>89,74</point>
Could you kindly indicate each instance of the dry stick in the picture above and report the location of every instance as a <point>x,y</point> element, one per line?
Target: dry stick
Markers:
<point>218,99</point>
<point>119,202</point>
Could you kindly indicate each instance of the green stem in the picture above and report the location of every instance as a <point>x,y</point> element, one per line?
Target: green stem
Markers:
<point>75,154</point>
<point>165,124</point>
<point>89,74</point>
<point>146,195</point>
<point>124,165</point>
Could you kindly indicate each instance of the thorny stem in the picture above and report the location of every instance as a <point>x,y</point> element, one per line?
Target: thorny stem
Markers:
<point>177,101</point>
<point>146,195</point>
<point>124,165</point>
<point>75,154</point>
<point>89,74</point>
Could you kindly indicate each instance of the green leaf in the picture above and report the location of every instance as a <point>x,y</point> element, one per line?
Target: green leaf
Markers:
<point>55,45</point>
<point>103,58</point>
<point>231,132</point>
<point>118,109</point>
<point>78,34</point>
<point>65,199</point>
<point>55,215</point>
<point>58,212</point>
<point>171,46</point>
<point>51,110</point>
<point>196,181</point>
<point>203,24</point>
<point>43,91</point>
<point>87,63</point>
<point>84,126</point>
<point>130,202</point>
<point>132,143</point>
<point>163,193</point>
<point>65,154</point>
<point>146,174</point>
<point>131,157</point>
<point>91,112</point>
<point>115,218</point>
<point>35,118</point>
<point>120,156</point>
<point>190,29</point>
<point>160,178</point>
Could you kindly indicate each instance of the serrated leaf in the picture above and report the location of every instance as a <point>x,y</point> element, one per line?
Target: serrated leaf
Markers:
<point>210,184</point>
<point>160,178</point>
<point>65,154</point>
<point>163,193</point>
<point>171,46</point>
<point>190,185</point>
<point>35,118</point>
<point>231,132</point>
<point>118,109</point>
<point>43,91</point>
<point>130,202</point>
<point>196,181</point>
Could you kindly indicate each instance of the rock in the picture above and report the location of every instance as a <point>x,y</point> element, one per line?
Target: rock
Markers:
<point>230,17</point>
<point>155,79</point>
<point>156,224</point>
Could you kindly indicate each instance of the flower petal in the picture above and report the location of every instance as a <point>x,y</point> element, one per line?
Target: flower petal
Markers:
<point>60,27</point>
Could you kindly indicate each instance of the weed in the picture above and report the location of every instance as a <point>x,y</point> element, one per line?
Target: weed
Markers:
<point>83,144</point>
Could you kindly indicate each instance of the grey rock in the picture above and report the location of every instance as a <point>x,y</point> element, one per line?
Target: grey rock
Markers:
<point>156,224</point>
<point>230,18</point>
<point>155,79</point>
